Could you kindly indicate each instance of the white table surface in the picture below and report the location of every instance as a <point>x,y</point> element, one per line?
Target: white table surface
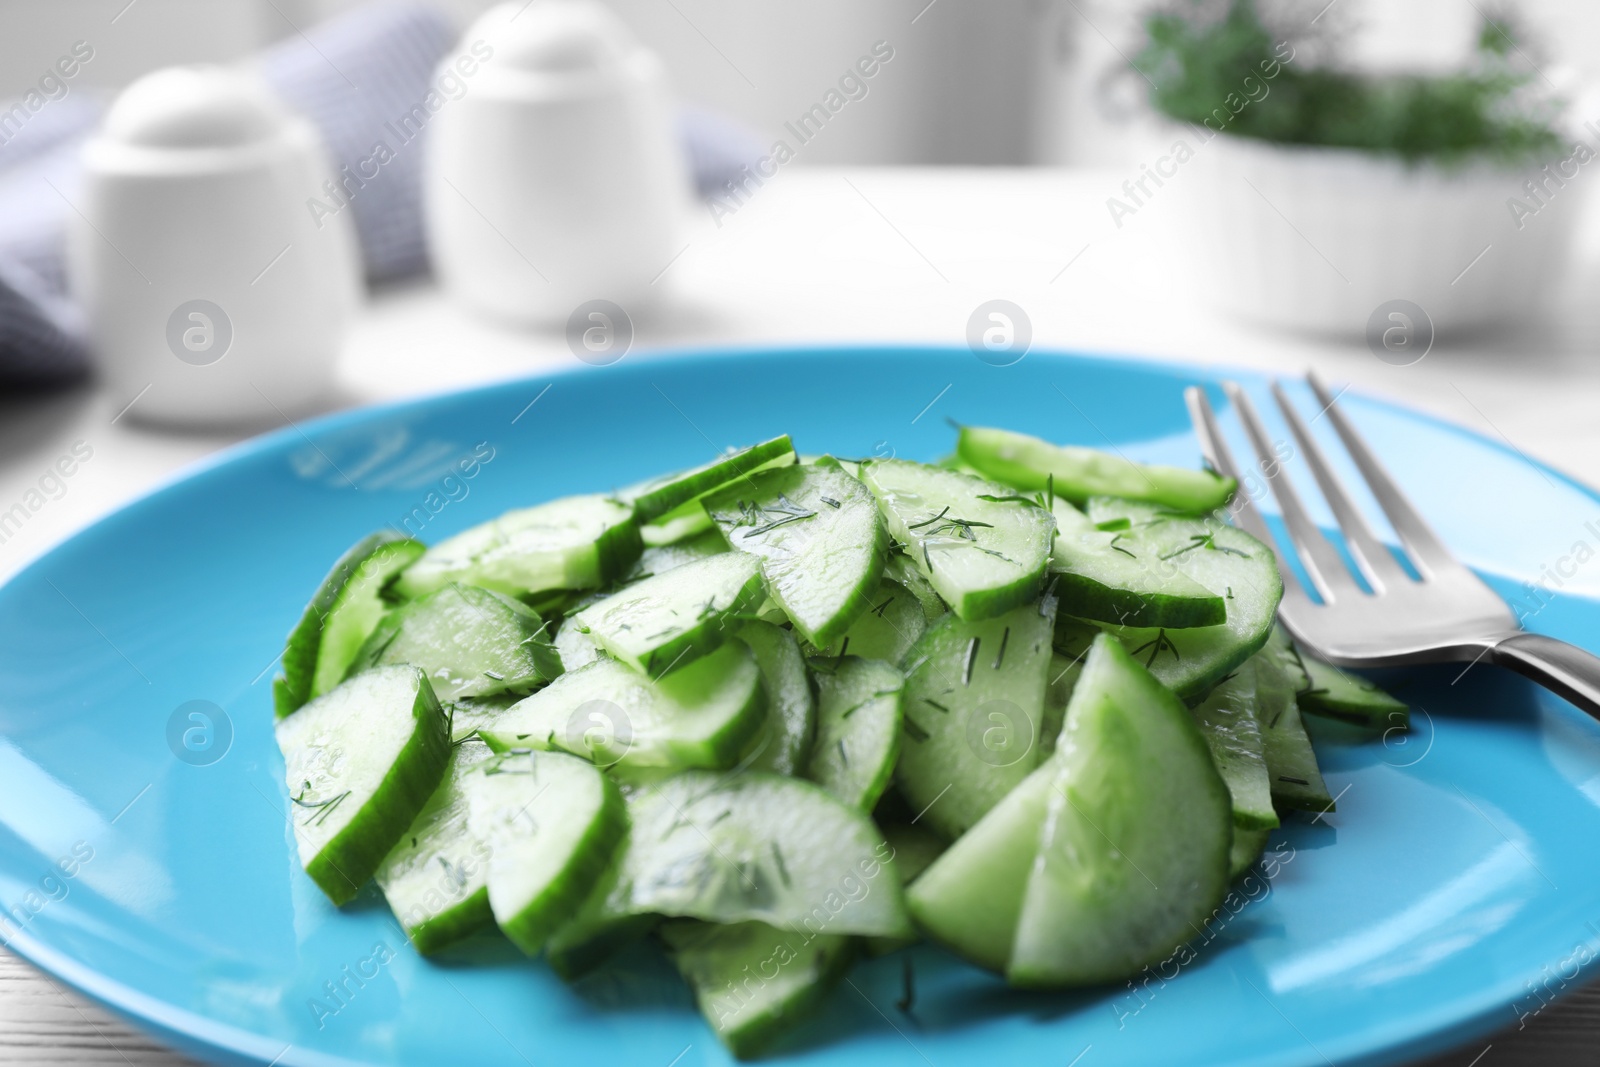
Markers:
<point>822,255</point>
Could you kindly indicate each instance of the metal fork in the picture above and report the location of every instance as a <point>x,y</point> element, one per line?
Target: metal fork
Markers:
<point>1448,616</point>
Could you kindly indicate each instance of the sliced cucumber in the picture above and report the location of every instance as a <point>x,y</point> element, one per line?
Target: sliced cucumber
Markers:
<point>888,629</point>
<point>900,570</point>
<point>436,877</point>
<point>1133,854</point>
<point>1323,689</point>
<point>1228,721</point>
<point>1031,464</point>
<point>752,981</point>
<point>659,496</point>
<point>1248,845</point>
<point>973,706</point>
<point>1119,577</point>
<point>1292,765</point>
<point>701,715</point>
<point>357,610</point>
<point>575,646</point>
<point>552,822</point>
<point>858,728</point>
<point>659,559</point>
<point>303,650</point>
<point>819,540</point>
<point>578,542</point>
<point>755,847</point>
<point>970,898</point>
<point>471,642</point>
<point>984,549</point>
<point>668,621</point>
<point>360,763</point>
<point>678,525</point>
<point>1063,678</point>
<point>783,744</point>
<point>467,716</point>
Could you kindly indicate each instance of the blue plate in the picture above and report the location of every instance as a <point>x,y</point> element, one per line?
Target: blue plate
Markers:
<point>145,857</point>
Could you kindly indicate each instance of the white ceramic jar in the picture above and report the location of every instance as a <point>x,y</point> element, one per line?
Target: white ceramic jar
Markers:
<point>1316,239</point>
<point>214,294</point>
<point>555,179</point>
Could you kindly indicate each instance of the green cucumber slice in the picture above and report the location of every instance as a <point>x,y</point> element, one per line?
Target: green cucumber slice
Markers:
<point>436,876</point>
<point>659,496</point>
<point>701,715</point>
<point>974,705</point>
<point>753,982</point>
<point>1033,464</point>
<point>819,540</point>
<point>858,728</point>
<point>357,610</point>
<point>659,559</point>
<point>575,647</point>
<point>360,763</point>
<point>1248,845</point>
<point>900,570</point>
<point>783,743</point>
<point>970,898</point>
<point>1119,577</point>
<point>577,542</point>
<point>668,621</point>
<point>755,847</point>
<point>552,823</point>
<point>468,715</point>
<point>1133,854</point>
<point>887,630</point>
<point>984,549</point>
<point>471,642</point>
<point>1228,719</point>
<point>676,526</point>
<point>1291,764</point>
<point>303,649</point>
<point>1323,689</point>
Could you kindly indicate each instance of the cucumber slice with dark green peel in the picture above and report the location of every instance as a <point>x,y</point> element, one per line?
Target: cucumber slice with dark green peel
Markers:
<point>819,539</point>
<point>1291,764</point>
<point>984,549</point>
<point>1031,464</point>
<point>660,496</point>
<point>303,649</point>
<point>574,646</point>
<point>1323,689</point>
<point>701,715</point>
<point>900,570</point>
<point>970,898</point>
<point>467,716</point>
<point>1063,678</point>
<point>659,559</point>
<point>1248,845</point>
<point>858,728</point>
<point>360,763</point>
<point>1119,577</point>
<point>1228,719</point>
<point>552,823</point>
<point>668,621</point>
<point>436,877</point>
<point>783,744</point>
<point>357,611</point>
<point>888,629</point>
<point>754,847</point>
<point>1133,855</point>
<point>754,982</point>
<point>973,706</point>
<point>578,542</point>
<point>471,642</point>
<point>676,526</point>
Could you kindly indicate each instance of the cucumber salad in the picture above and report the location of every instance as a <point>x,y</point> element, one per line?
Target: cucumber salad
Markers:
<point>777,712</point>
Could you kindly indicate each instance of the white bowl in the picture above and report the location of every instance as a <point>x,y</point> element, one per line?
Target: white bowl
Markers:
<point>1316,239</point>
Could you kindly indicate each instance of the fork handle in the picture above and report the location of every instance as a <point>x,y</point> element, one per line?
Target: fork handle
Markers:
<point>1566,670</point>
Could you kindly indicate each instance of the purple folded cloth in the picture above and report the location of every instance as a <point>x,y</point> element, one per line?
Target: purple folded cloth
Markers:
<point>349,76</point>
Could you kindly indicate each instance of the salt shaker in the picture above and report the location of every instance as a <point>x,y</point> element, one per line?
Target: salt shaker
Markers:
<point>553,177</point>
<point>216,283</point>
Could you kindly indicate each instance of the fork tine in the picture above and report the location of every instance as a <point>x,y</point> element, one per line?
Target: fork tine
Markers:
<point>1427,551</point>
<point>1321,560</point>
<point>1371,555</point>
<point>1215,448</point>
